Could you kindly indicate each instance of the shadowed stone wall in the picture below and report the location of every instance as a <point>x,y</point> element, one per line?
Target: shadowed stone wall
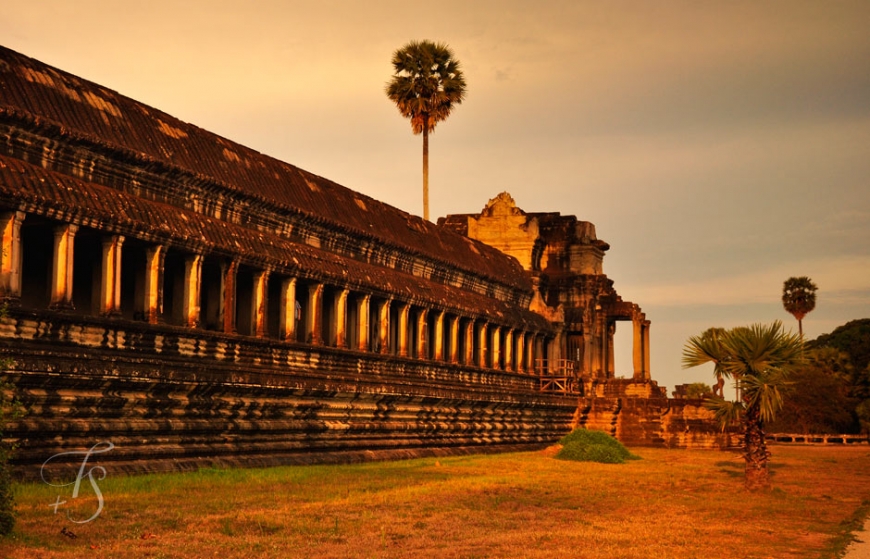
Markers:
<point>171,399</point>
<point>175,399</point>
<point>656,421</point>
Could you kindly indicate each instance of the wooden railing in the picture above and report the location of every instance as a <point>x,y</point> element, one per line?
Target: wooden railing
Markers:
<point>554,367</point>
<point>557,375</point>
<point>817,439</point>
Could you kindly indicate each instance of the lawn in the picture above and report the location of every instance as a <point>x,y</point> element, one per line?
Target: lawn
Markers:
<point>671,504</point>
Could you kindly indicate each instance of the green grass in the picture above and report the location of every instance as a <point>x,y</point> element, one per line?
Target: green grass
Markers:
<point>673,504</point>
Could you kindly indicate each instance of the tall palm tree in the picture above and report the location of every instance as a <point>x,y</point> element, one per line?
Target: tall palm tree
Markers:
<point>759,358</point>
<point>426,85</point>
<point>799,298</point>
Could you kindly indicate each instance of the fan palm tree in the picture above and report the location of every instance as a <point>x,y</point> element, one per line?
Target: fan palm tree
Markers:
<point>426,85</point>
<point>759,359</point>
<point>799,298</point>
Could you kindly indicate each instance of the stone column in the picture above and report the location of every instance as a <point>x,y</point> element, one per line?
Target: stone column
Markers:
<point>152,306</point>
<point>646,352</point>
<point>541,360</point>
<point>588,366</point>
<point>192,284</point>
<point>287,310</point>
<point>554,350</point>
<point>422,334</point>
<point>481,348</point>
<point>509,350</point>
<point>384,327</point>
<point>530,353</point>
<point>637,347</point>
<point>520,356</point>
<point>341,318</point>
<point>110,281</point>
<point>438,350</point>
<point>403,329</point>
<point>469,343</point>
<point>363,308</point>
<point>229,272</point>
<point>598,351</point>
<point>62,267</point>
<point>611,357</point>
<point>496,347</point>
<point>313,328</point>
<point>10,254</point>
<point>258,303</point>
<point>454,340</point>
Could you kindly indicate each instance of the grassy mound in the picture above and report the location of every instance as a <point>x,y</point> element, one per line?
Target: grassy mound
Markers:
<point>583,445</point>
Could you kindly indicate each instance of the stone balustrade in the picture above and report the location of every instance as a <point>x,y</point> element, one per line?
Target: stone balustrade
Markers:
<point>786,438</point>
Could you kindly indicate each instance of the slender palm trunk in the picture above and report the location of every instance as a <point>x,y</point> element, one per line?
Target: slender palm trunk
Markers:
<point>801,332</point>
<point>426,170</point>
<point>756,457</point>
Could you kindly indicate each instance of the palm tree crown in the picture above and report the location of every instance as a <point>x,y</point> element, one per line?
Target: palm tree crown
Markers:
<point>799,298</point>
<point>760,359</point>
<point>426,86</point>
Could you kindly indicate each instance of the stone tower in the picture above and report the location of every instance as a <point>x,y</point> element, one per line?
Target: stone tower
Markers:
<point>564,259</point>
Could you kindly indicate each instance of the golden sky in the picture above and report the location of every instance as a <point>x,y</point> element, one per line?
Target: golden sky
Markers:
<point>719,147</point>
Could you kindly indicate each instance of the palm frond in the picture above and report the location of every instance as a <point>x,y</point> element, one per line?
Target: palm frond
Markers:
<point>756,349</point>
<point>700,351</point>
<point>766,391</point>
<point>725,412</point>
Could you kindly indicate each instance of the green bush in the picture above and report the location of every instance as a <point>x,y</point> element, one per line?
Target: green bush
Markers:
<point>583,445</point>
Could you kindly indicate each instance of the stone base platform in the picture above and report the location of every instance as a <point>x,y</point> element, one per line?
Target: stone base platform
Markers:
<point>172,399</point>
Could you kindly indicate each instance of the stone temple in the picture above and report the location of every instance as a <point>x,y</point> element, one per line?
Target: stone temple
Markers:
<point>198,303</point>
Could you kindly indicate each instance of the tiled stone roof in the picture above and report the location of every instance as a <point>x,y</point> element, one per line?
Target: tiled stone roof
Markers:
<point>80,112</point>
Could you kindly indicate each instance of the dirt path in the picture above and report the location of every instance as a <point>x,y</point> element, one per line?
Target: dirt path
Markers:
<point>860,549</point>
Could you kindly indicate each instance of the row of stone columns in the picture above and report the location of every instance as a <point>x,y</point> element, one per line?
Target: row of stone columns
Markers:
<point>459,340</point>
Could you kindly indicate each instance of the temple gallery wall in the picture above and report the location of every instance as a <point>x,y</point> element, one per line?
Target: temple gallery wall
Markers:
<point>196,302</point>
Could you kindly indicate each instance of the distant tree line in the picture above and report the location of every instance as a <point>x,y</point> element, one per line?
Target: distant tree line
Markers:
<point>830,392</point>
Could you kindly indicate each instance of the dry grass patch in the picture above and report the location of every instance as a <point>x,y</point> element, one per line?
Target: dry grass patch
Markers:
<point>674,504</point>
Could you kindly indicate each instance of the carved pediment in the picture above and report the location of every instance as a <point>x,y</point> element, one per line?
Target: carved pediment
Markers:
<point>501,205</point>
